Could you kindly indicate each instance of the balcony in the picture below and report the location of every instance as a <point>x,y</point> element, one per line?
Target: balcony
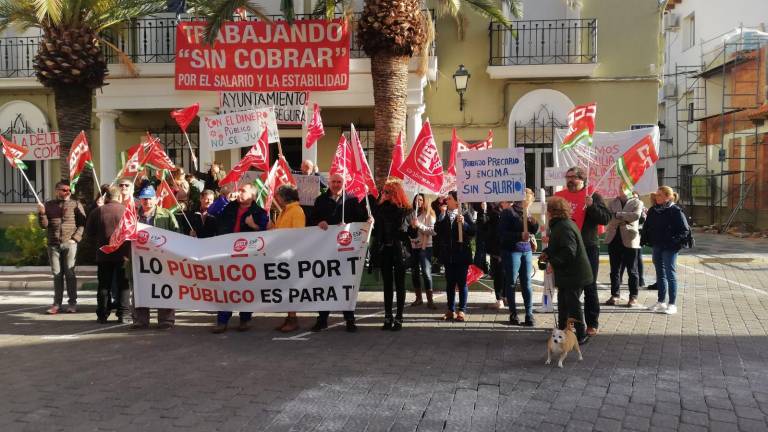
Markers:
<point>148,41</point>
<point>563,48</point>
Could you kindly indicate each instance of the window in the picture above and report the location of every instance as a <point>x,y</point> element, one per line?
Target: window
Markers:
<point>689,32</point>
<point>686,182</point>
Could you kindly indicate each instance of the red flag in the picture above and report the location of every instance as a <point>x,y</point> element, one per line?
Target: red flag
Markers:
<point>283,174</point>
<point>257,157</point>
<point>362,177</point>
<point>79,156</point>
<point>581,126</point>
<point>165,196</point>
<point>156,156</point>
<point>14,153</point>
<point>126,229</point>
<point>315,129</point>
<point>397,158</point>
<point>185,116</point>
<point>632,165</point>
<point>423,163</point>
<point>458,144</point>
<point>474,274</point>
<point>270,182</point>
<point>341,160</point>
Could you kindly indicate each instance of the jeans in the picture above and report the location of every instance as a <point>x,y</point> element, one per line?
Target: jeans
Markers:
<point>665,261</point>
<point>421,269</point>
<point>499,277</point>
<point>591,302</point>
<point>456,276</point>
<point>641,279</point>
<point>223,317</point>
<point>62,259</point>
<point>622,257</point>
<point>519,264</point>
<point>392,268</point>
<point>107,273</point>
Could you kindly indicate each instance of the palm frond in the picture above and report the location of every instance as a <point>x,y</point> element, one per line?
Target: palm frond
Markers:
<point>123,57</point>
<point>515,8</point>
<point>113,12</point>
<point>423,65</point>
<point>218,12</point>
<point>327,8</point>
<point>19,13</point>
<point>448,7</point>
<point>48,10</point>
<point>488,9</point>
<point>288,10</point>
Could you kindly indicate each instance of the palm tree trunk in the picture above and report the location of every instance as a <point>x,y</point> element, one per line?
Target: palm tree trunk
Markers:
<point>73,113</point>
<point>390,90</point>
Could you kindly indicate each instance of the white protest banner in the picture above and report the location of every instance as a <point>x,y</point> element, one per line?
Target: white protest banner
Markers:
<point>283,270</point>
<point>41,146</point>
<point>309,188</point>
<point>240,129</point>
<point>290,107</point>
<point>555,176</point>
<point>607,147</point>
<point>491,175</point>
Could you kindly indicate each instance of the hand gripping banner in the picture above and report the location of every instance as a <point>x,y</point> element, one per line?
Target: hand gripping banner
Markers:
<point>283,270</point>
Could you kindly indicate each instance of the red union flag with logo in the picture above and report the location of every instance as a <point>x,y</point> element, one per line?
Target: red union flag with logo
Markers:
<point>13,153</point>
<point>299,56</point>
<point>397,158</point>
<point>315,129</point>
<point>126,229</point>
<point>423,163</point>
<point>581,126</point>
<point>632,165</point>
<point>79,157</point>
<point>165,197</point>
<point>341,160</point>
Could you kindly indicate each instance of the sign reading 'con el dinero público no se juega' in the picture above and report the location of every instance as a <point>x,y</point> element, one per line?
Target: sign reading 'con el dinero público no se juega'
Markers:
<point>260,56</point>
<point>282,270</point>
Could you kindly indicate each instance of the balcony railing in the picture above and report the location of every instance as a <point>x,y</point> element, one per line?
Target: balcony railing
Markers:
<point>146,40</point>
<point>544,42</point>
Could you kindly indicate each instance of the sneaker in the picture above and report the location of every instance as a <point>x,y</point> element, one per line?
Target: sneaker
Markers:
<point>584,340</point>
<point>513,320</point>
<point>671,310</point>
<point>219,328</point>
<point>321,325</point>
<point>387,324</point>
<point>397,325</point>
<point>71,309</point>
<point>612,301</point>
<point>652,287</point>
<point>632,302</point>
<point>351,326</point>
<point>659,307</point>
<point>53,310</point>
<point>529,321</point>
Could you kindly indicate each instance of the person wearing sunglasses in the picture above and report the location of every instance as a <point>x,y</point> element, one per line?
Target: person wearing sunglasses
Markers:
<point>64,221</point>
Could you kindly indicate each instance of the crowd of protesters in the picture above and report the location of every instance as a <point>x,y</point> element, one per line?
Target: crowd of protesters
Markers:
<point>417,235</point>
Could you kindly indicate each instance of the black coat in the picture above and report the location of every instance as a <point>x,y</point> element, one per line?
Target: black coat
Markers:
<point>226,219</point>
<point>390,229</point>
<point>666,227</point>
<point>450,250</point>
<point>511,228</point>
<point>204,229</point>
<point>596,214</point>
<point>329,210</point>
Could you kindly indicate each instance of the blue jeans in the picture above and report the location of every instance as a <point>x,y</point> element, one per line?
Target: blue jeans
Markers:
<point>223,317</point>
<point>519,264</point>
<point>456,275</point>
<point>62,259</point>
<point>665,260</point>
<point>421,269</point>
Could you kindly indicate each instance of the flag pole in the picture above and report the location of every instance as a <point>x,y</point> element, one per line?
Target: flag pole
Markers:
<point>178,205</point>
<point>191,152</point>
<point>31,188</point>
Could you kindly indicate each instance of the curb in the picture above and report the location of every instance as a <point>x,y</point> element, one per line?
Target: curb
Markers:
<point>44,269</point>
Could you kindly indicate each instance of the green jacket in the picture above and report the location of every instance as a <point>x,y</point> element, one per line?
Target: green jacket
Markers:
<point>568,256</point>
<point>163,219</point>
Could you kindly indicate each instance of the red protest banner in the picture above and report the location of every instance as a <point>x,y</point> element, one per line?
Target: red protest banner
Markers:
<point>305,55</point>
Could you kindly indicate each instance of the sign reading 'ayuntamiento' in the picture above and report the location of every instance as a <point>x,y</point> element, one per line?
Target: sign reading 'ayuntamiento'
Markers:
<point>290,107</point>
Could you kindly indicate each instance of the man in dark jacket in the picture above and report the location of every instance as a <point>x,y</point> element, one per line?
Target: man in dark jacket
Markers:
<point>589,211</point>
<point>102,222</point>
<point>204,225</point>
<point>328,211</point>
<point>242,215</point>
<point>567,256</point>
<point>64,220</point>
<point>455,255</point>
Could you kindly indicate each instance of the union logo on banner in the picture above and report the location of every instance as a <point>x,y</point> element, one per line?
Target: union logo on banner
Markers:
<point>423,163</point>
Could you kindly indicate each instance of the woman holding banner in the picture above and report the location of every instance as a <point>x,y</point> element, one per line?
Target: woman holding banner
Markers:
<point>455,228</point>
<point>292,216</point>
<point>390,248</point>
<point>422,229</point>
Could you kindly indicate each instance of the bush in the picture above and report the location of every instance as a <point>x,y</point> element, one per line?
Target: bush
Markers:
<point>30,242</point>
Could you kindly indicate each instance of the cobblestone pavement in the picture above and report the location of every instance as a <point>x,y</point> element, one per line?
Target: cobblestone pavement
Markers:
<point>705,368</point>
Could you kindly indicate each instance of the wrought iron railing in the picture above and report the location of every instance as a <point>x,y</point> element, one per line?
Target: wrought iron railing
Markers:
<point>16,56</point>
<point>543,42</point>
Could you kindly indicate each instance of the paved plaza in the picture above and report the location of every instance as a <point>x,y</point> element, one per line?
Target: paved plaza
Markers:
<point>705,368</point>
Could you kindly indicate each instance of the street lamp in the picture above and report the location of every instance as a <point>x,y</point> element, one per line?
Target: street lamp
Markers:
<point>461,79</point>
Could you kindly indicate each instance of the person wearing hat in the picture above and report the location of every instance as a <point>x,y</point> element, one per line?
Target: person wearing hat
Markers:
<point>151,214</point>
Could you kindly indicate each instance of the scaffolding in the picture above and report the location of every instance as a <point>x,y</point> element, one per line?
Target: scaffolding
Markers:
<point>711,108</point>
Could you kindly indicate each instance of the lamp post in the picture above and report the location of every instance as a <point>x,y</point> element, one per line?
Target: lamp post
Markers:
<point>461,80</point>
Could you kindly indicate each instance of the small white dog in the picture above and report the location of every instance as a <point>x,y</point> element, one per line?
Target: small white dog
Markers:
<point>561,342</point>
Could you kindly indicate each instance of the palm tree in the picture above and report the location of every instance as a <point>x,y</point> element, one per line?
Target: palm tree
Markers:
<point>70,59</point>
<point>391,32</point>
